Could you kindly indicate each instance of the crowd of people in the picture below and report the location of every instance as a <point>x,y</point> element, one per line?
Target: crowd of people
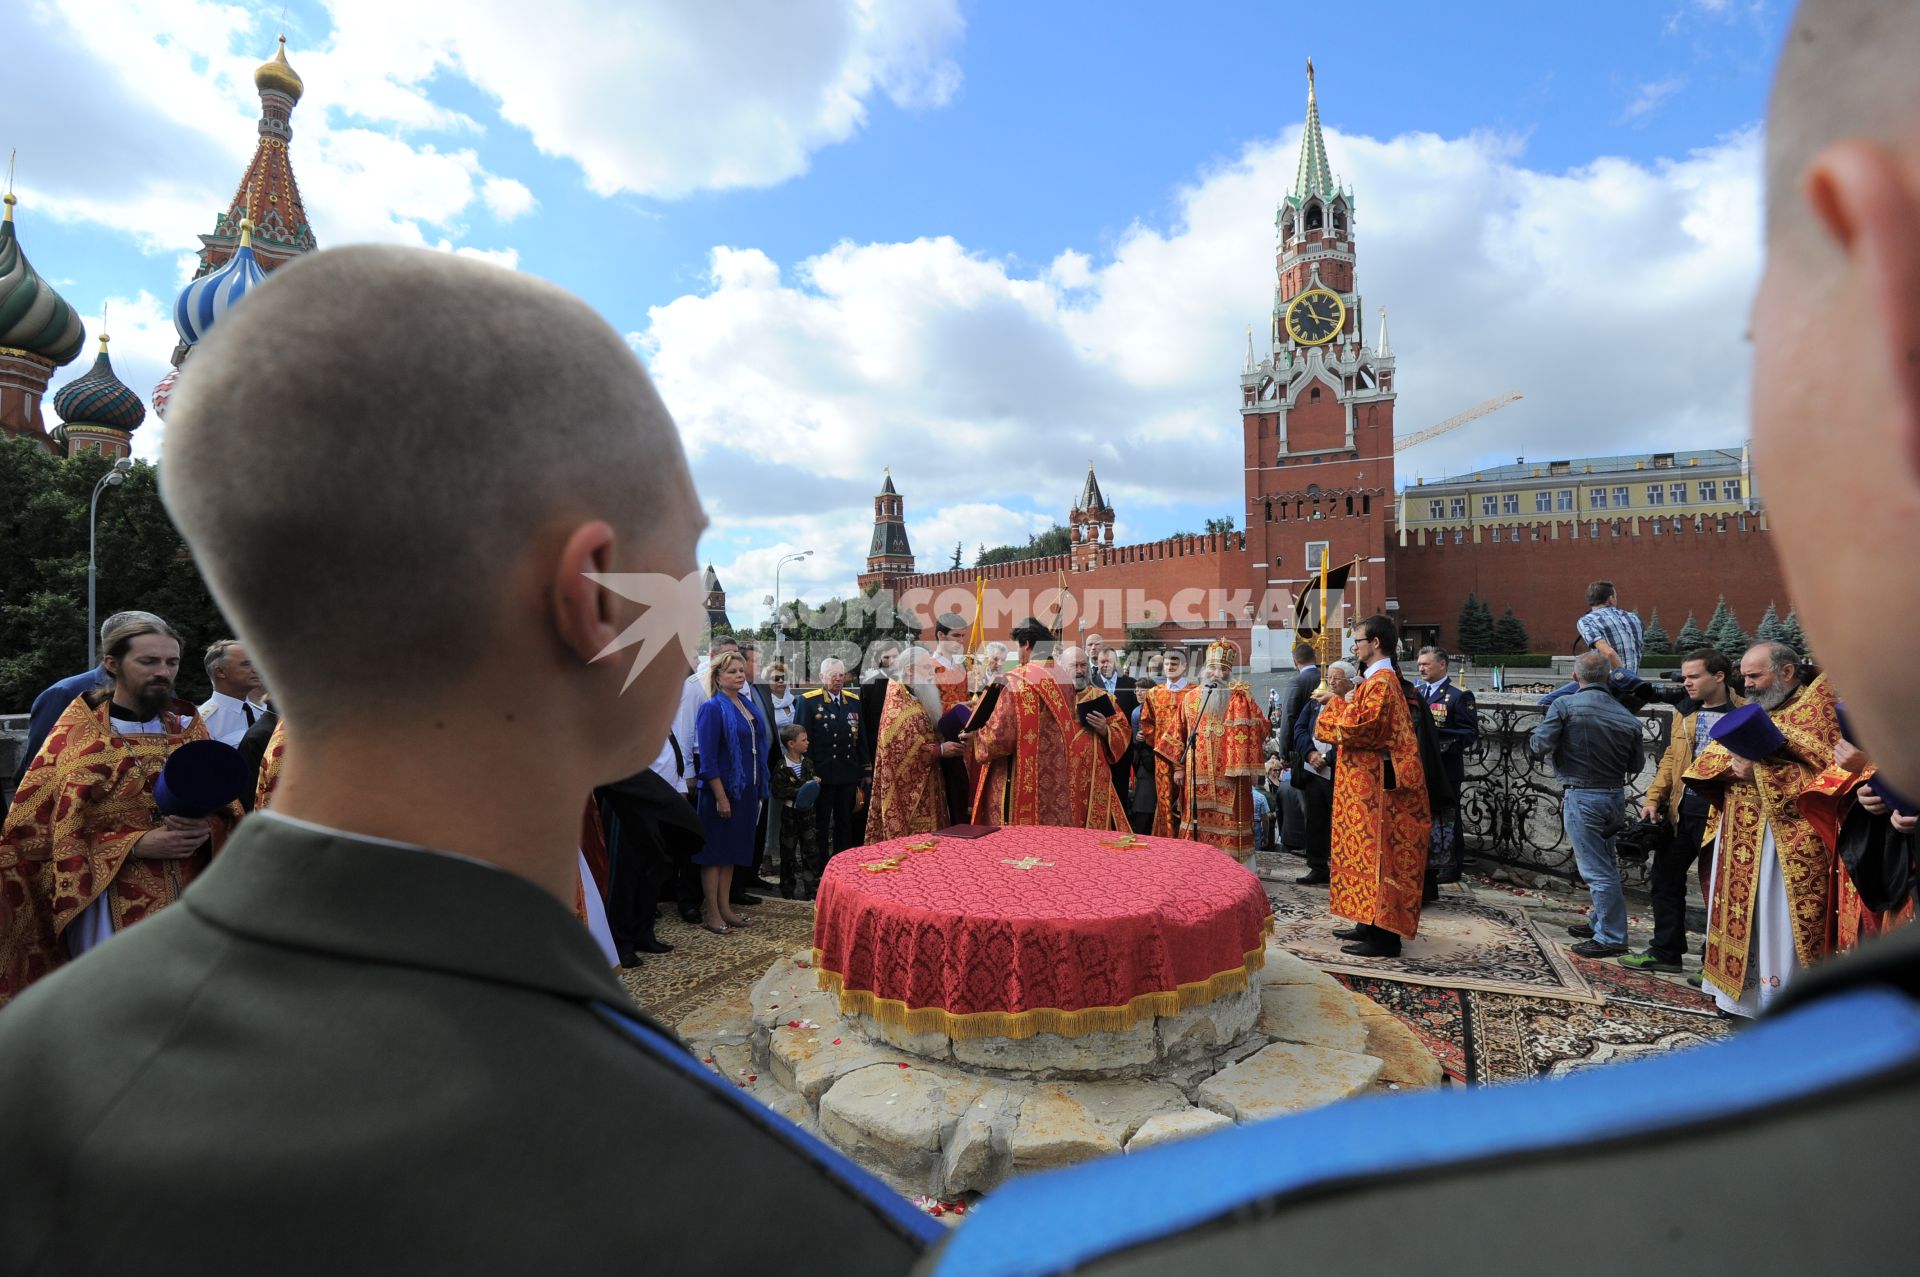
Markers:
<point>374,1035</point>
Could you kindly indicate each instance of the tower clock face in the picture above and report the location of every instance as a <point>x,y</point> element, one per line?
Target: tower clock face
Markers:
<point>1315,317</point>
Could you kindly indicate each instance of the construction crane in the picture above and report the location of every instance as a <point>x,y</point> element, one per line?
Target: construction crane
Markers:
<point>1454,422</point>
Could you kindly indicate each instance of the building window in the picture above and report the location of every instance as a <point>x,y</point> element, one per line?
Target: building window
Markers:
<point>1597,498</point>
<point>1496,536</point>
<point>1457,507</point>
<point>1677,494</point>
<point>1543,503</point>
<point>1563,500</point>
<point>1656,494</point>
<point>1489,506</point>
<point>1730,490</point>
<point>1621,499</point>
<point>1707,489</point>
<point>1593,529</point>
<point>1656,526</point>
<point>1679,524</point>
<point>1459,536</point>
<point>1314,397</point>
<point>1510,503</point>
<point>1316,551</point>
<point>1534,532</point>
<point>1663,461</point>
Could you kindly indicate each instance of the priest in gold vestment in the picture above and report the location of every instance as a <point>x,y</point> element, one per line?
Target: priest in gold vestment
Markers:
<point>85,851</point>
<point>1771,911</point>
<point>1022,747</point>
<point>1163,727</point>
<point>1098,740</point>
<point>909,795</point>
<point>1228,732</point>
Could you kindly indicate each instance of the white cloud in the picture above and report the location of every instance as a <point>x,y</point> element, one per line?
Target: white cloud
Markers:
<point>659,98</point>
<point>507,198</point>
<point>1649,98</point>
<point>1612,295</point>
<point>154,147</point>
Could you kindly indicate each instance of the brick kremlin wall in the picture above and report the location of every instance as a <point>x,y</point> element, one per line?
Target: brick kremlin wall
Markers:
<point>1122,585</point>
<point>1545,581</point>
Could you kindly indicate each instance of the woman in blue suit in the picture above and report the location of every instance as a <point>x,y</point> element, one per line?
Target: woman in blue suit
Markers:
<point>733,743</point>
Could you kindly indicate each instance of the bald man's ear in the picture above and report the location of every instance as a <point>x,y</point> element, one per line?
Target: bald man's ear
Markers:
<point>1868,202</point>
<point>582,609</point>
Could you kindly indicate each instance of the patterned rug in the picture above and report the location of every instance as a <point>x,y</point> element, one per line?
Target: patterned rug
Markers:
<point>1463,944</point>
<point>704,968</point>
<point>1481,1036</point>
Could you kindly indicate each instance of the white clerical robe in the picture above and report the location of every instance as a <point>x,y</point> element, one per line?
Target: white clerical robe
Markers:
<point>1773,962</point>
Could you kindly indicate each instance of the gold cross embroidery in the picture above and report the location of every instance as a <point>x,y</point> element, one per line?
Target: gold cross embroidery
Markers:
<point>1029,862</point>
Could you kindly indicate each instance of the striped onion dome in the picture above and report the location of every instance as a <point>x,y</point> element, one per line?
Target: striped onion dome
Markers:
<point>206,299</point>
<point>100,398</point>
<point>163,393</point>
<point>33,317</point>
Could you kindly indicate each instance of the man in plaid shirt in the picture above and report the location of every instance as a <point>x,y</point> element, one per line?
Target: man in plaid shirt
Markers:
<point>1611,632</point>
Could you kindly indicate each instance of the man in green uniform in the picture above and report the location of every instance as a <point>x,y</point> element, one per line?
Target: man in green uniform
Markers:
<point>374,1036</point>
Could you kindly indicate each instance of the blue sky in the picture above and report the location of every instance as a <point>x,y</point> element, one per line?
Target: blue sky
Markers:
<point>979,243</point>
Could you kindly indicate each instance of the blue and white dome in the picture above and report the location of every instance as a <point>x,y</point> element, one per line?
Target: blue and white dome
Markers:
<point>204,301</point>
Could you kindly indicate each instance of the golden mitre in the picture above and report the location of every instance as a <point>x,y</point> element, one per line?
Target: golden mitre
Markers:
<point>1223,652</point>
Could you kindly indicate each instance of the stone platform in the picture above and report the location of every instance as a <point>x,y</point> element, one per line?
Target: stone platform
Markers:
<point>949,1118</point>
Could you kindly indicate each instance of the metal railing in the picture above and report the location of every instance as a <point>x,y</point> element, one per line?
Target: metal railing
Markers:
<point>1510,802</point>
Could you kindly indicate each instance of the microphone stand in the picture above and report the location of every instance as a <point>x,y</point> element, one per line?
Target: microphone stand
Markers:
<point>1186,778</point>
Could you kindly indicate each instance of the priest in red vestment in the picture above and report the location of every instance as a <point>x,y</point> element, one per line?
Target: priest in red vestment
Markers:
<point>909,794</point>
<point>1228,732</point>
<point>1381,816</point>
<point>1101,737</point>
<point>1022,747</point>
<point>1163,727</point>
<point>85,852</point>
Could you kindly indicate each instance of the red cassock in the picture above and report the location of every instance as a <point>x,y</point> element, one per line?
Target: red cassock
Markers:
<point>1022,751</point>
<point>1379,833</point>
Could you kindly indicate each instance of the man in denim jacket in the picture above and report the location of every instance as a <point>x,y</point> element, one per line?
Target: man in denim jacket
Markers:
<point>1596,746</point>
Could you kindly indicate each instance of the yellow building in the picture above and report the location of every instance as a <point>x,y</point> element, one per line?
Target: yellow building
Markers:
<point>1645,485</point>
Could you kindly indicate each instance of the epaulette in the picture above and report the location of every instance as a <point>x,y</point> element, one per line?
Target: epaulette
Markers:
<point>818,691</point>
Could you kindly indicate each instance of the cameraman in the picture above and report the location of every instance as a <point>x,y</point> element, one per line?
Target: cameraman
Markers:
<point>1683,811</point>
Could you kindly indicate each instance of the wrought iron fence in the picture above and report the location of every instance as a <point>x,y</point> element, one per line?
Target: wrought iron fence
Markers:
<point>1510,802</point>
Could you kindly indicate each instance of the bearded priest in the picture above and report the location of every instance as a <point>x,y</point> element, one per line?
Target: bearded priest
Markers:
<point>909,793</point>
<point>1022,747</point>
<point>1100,738</point>
<point>1228,731</point>
<point>85,852</point>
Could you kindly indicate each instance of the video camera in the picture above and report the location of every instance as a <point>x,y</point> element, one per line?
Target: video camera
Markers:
<point>1637,693</point>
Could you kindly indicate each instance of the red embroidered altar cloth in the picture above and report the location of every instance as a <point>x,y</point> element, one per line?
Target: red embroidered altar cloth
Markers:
<point>1035,929</point>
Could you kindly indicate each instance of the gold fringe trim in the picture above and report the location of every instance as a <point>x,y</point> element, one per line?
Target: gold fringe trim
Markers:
<point>970,1025</point>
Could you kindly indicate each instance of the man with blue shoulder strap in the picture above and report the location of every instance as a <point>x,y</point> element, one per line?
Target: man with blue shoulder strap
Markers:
<point>374,1037</point>
<point>1786,1148</point>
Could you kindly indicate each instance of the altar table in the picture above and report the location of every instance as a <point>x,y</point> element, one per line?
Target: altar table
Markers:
<point>1035,929</point>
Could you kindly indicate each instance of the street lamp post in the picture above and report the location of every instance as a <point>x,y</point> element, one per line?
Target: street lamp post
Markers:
<point>779,624</point>
<point>111,479</point>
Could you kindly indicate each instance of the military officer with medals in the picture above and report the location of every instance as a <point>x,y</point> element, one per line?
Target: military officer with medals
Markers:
<point>831,716</point>
<point>1456,723</point>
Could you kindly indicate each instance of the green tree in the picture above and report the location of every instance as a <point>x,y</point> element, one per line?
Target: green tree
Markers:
<point>958,549</point>
<point>1509,635</point>
<point>1690,637</point>
<point>1476,626</point>
<point>1792,635</point>
<point>142,563</point>
<point>1220,525</point>
<point>1724,632</point>
<point>1055,540</point>
<point>1655,636</point>
<point>1768,631</point>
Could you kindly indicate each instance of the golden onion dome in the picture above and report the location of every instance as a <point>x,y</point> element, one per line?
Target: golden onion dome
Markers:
<point>278,75</point>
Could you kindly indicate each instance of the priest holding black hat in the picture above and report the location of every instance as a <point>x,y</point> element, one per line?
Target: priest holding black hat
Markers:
<point>87,849</point>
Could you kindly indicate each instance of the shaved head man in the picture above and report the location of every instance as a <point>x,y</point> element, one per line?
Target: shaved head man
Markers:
<point>1836,368</point>
<point>461,492</point>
